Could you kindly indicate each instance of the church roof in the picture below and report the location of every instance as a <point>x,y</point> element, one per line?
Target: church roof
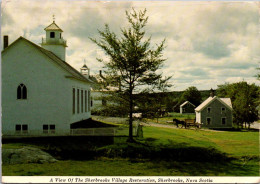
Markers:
<point>74,73</point>
<point>209,100</point>
<point>53,27</point>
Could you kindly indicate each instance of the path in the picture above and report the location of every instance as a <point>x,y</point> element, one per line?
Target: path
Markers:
<point>255,125</point>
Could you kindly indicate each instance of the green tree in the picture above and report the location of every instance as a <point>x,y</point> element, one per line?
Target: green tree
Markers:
<point>244,99</point>
<point>132,61</point>
<point>192,95</point>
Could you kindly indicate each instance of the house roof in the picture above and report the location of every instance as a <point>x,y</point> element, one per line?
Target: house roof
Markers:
<point>53,27</point>
<point>209,100</point>
<point>186,103</point>
<point>74,73</point>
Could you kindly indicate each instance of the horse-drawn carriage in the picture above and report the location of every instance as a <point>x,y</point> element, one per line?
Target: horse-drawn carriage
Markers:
<point>187,123</point>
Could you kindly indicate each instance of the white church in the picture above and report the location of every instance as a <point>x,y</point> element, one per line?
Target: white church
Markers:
<point>41,93</point>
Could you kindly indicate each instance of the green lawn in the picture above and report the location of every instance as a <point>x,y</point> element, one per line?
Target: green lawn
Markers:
<point>243,147</point>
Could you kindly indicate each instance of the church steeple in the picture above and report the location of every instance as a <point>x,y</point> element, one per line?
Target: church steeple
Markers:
<point>54,41</point>
<point>84,70</point>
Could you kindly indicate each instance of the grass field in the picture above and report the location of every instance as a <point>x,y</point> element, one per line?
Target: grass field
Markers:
<point>162,152</point>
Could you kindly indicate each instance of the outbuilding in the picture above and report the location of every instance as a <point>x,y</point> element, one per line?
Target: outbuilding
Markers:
<point>187,107</point>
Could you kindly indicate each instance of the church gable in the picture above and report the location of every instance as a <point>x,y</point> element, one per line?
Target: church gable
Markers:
<point>23,57</point>
<point>72,73</point>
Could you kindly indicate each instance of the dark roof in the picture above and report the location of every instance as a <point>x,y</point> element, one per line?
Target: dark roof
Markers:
<point>75,74</point>
<point>84,66</point>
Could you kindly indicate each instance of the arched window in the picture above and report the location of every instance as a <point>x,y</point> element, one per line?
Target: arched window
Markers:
<point>21,92</point>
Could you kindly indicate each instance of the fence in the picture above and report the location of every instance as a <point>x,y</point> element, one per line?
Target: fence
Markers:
<point>109,131</point>
<point>112,131</point>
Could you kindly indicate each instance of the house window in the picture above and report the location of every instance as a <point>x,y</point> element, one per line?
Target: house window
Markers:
<point>73,100</point>
<point>21,129</point>
<point>223,109</point>
<point>52,34</point>
<point>208,109</point>
<point>48,129</point>
<point>208,122</point>
<point>86,101</point>
<point>81,101</point>
<point>104,102</point>
<point>77,100</point>
<point>223,121</point>
<point>21,92</point>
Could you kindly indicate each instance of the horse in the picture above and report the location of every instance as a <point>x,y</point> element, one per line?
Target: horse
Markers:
<point>183,123</point>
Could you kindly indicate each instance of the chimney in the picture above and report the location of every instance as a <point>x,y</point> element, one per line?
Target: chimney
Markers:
<point>211,93</point>
<point>5,41</point>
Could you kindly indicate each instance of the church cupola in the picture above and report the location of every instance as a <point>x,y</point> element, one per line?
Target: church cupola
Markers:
<point>54,41</point>
<point>84,70</point>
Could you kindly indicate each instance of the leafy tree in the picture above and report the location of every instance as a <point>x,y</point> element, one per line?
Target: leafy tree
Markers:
<point>244,99</point>
<point>131,62</point>
<point>192,95</point>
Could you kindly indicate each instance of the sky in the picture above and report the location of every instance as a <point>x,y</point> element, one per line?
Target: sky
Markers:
<point>207,43</point>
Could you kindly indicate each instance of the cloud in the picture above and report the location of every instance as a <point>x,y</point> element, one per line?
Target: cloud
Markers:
<point>208,43</point>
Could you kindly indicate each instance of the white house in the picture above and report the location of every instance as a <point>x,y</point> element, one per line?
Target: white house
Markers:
<point>41,93</point>
<point>215,112</point>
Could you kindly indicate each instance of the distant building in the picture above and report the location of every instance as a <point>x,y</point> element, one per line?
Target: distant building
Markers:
<point>215,112</point>
<point>41,93</point>
<point>187,107</point>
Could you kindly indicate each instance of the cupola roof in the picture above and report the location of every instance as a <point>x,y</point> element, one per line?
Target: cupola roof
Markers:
<point>84,66</point>
<point>53,27</point>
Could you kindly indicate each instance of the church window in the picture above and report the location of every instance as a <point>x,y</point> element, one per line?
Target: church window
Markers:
<point>21,92</point>
<point>89,101</point>
<point>81,101</point>
<point>60,35</point>
<point>52,129</point>
<point>73,101</point>
<point>77,100</point>
<point>48,129</point>
<point>86,101</point>
<point>45,129</point>
<point>21,128</point>
<point>52,34</point>
<point>18,127</point>
<point>25,128</point>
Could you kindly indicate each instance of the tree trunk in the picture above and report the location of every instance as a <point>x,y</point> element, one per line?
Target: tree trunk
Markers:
<point>130,138</point>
